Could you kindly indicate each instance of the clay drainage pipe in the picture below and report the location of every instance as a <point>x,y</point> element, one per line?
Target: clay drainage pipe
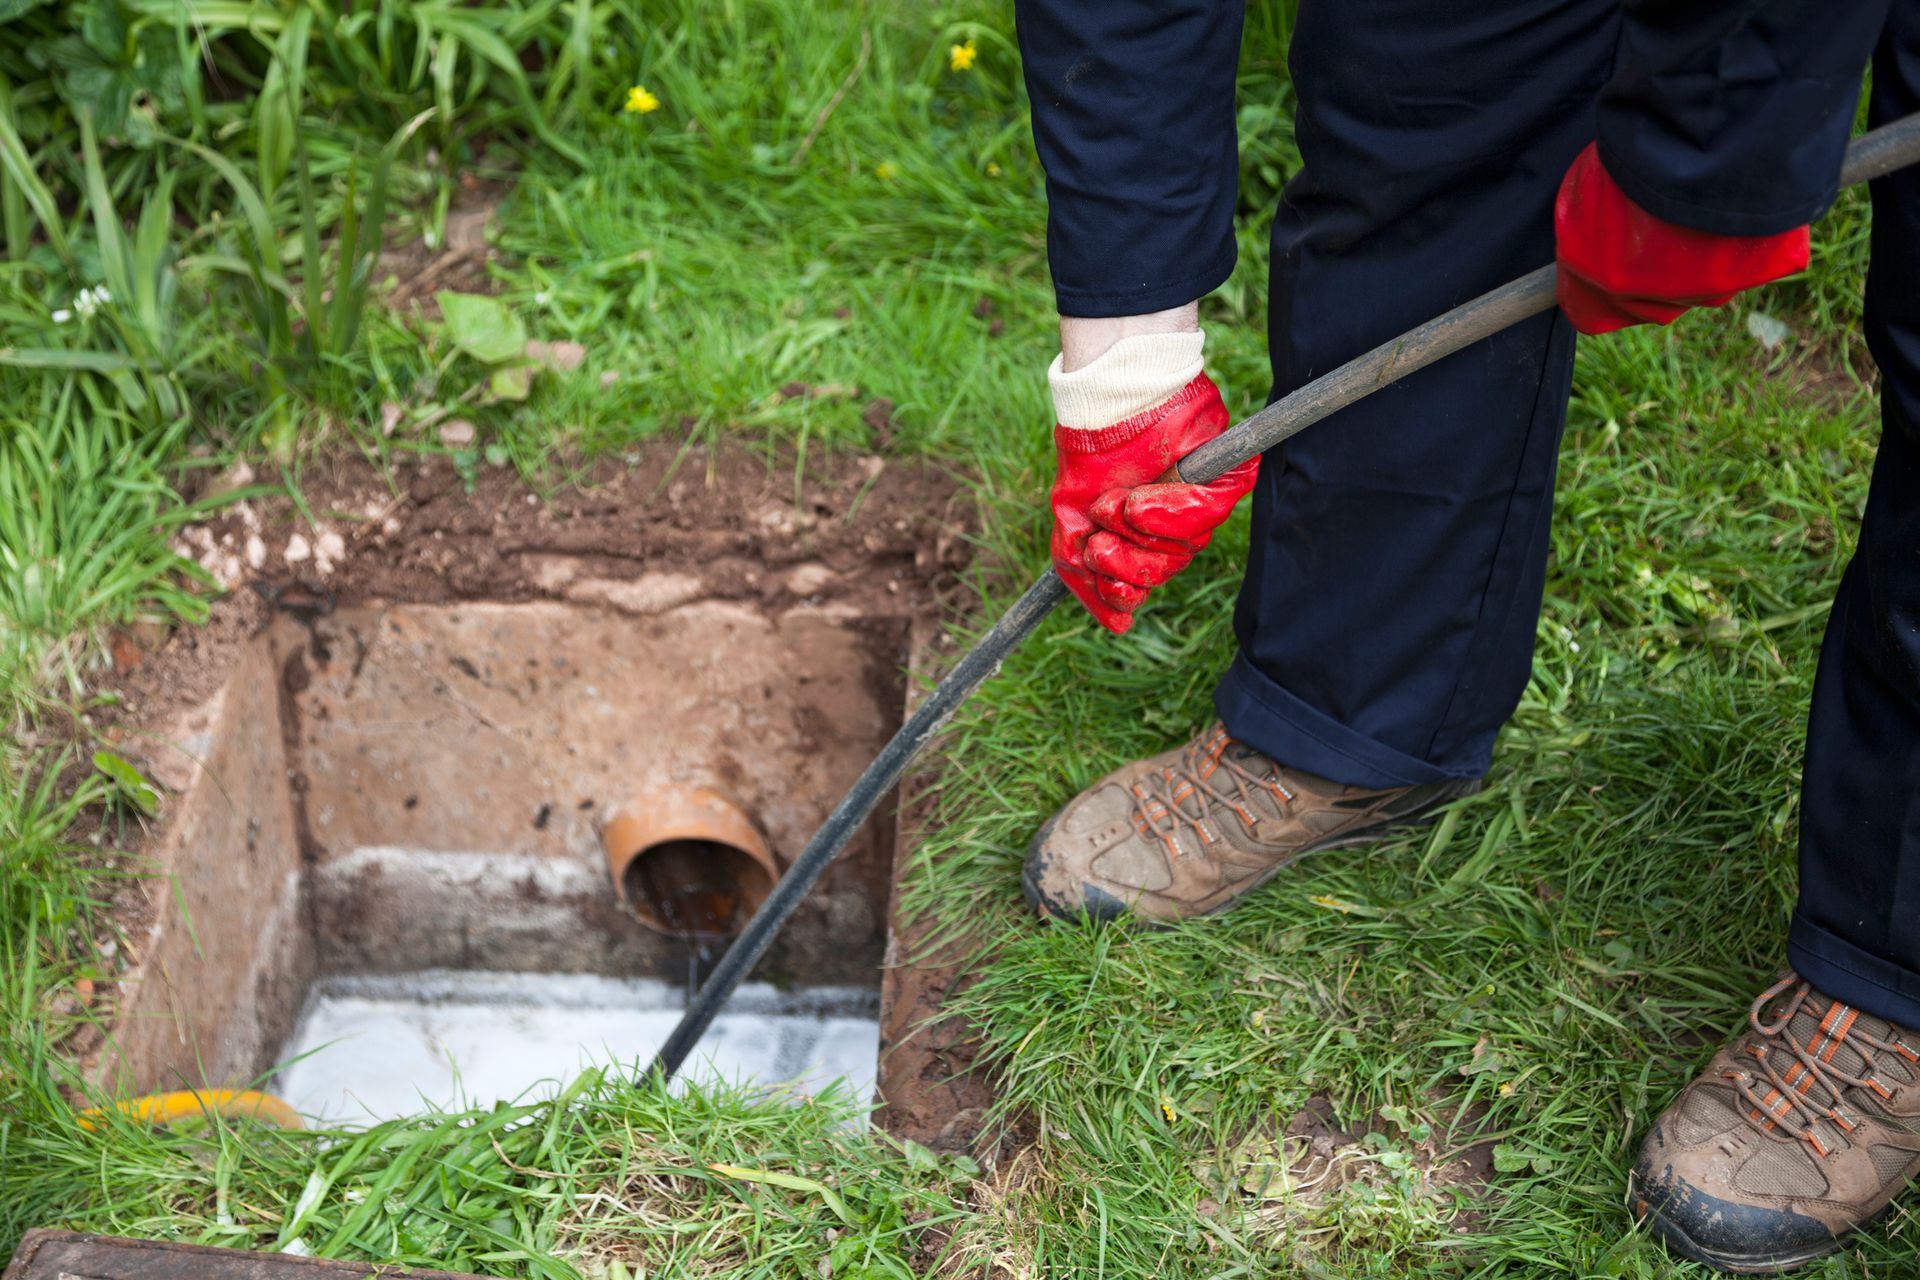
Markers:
<point>688,862</point>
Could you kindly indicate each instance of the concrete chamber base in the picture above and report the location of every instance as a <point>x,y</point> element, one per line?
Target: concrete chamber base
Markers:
<point>374,1048</point>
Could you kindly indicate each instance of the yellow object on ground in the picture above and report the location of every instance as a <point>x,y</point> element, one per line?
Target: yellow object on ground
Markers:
<point>164,1108</point>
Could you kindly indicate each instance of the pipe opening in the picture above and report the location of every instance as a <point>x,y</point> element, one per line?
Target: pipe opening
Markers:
<point>688,862</point>
<point>695,888</point>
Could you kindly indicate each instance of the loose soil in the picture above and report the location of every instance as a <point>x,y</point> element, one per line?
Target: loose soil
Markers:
<point>668,527</point>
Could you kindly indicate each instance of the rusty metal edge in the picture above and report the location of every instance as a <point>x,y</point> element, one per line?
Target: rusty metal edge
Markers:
<point>48,1254</point>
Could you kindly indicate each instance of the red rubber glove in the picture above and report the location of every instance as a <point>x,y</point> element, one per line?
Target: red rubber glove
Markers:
<point>1120,526</point>
<point>1620,265</point>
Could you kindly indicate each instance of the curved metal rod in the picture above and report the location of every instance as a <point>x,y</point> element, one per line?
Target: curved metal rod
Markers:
<point>1870,156</point>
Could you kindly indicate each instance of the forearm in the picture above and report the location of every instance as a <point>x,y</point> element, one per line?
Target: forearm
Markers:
<point>1084,339</point>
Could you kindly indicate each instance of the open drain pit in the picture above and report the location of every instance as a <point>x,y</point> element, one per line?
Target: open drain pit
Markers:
<point>416,781</point>
<point>445,854</point>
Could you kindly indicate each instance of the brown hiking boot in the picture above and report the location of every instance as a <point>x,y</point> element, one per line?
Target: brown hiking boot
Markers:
<point>1797,1133</point>
<point>1191,831</point>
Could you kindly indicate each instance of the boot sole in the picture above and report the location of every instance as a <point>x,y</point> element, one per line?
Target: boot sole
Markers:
<point>1045,906</point>
<point>1745,1264</point>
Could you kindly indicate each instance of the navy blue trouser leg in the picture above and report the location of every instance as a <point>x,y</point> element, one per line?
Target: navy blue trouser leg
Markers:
<point>1856,932</point>
<point>1387,616</point>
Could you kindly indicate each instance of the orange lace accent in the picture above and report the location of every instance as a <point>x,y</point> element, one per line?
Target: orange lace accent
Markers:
<point>1790,1101</point>
<point>1162,807</point>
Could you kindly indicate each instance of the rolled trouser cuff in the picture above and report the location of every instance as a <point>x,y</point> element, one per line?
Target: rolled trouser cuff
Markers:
<point>1842,970</point>
<point>1274,722</point>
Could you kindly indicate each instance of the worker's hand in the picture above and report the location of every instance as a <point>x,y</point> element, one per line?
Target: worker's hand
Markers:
<point>1620,265</point>
<point>1122,524</point>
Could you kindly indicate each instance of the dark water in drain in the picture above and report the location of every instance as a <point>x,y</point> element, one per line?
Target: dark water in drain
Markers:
<point>693,888</point>
<point>700,958</point>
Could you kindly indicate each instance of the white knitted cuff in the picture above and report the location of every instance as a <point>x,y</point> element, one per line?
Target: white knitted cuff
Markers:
<point>1132,375</point>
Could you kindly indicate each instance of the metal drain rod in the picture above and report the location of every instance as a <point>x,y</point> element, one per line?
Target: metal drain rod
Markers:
<point>1871,155</point>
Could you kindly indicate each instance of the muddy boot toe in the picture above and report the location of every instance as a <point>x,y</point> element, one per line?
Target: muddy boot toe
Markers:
<point>1797,1134</point>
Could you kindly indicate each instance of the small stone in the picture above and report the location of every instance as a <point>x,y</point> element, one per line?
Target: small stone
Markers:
<point>126,654</point>
<point>238,476</point>
<point>561,357</point>
<point>328,550</point>
<point>390,414</point>
<point>457,434</point>
<point>809,579</point>
<point>610,377</point>
<point>1767,331</point>
<point>648,594</point>
<point>878,417</point>
<point>782,520</point>
<point>256,551</point>
<point>298,549</point>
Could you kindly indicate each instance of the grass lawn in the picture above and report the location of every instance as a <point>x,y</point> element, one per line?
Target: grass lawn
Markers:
<point>820,197</point>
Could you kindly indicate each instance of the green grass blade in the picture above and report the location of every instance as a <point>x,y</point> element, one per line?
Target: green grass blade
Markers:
<point>25,184</point>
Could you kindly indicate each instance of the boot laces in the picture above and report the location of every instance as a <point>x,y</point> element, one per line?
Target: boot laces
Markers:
<point>1177,796</point>
<point>1798,1084</point>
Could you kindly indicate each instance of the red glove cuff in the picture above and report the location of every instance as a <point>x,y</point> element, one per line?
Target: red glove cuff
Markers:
<point>1122,523</point>
<point>1085,440</point>
<point>1620,265</point>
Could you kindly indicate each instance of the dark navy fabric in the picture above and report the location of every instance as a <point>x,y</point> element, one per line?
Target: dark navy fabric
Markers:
<point>1731,115</point>
<point>1393,586</point>
<point>1133,119</point>
<point>1724,115</point>
<point>1386,621</point>
<point>1856,932</point>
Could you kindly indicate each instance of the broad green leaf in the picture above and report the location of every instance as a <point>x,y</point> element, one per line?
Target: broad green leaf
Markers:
<point>1510,1159</point>
<point>104,28</point>
<point>128,782</point>
<point>483,327</point>
<point>511,382</point>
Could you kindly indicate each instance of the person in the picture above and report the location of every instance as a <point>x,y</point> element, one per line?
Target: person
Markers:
<point>1668,154</point>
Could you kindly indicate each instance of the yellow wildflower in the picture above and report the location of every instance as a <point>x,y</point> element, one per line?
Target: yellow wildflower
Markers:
<point>961,56</point>
<point>640,101</point>
<point>1166,1108</point>
<point>885,170</point>
<point>993,169</point>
